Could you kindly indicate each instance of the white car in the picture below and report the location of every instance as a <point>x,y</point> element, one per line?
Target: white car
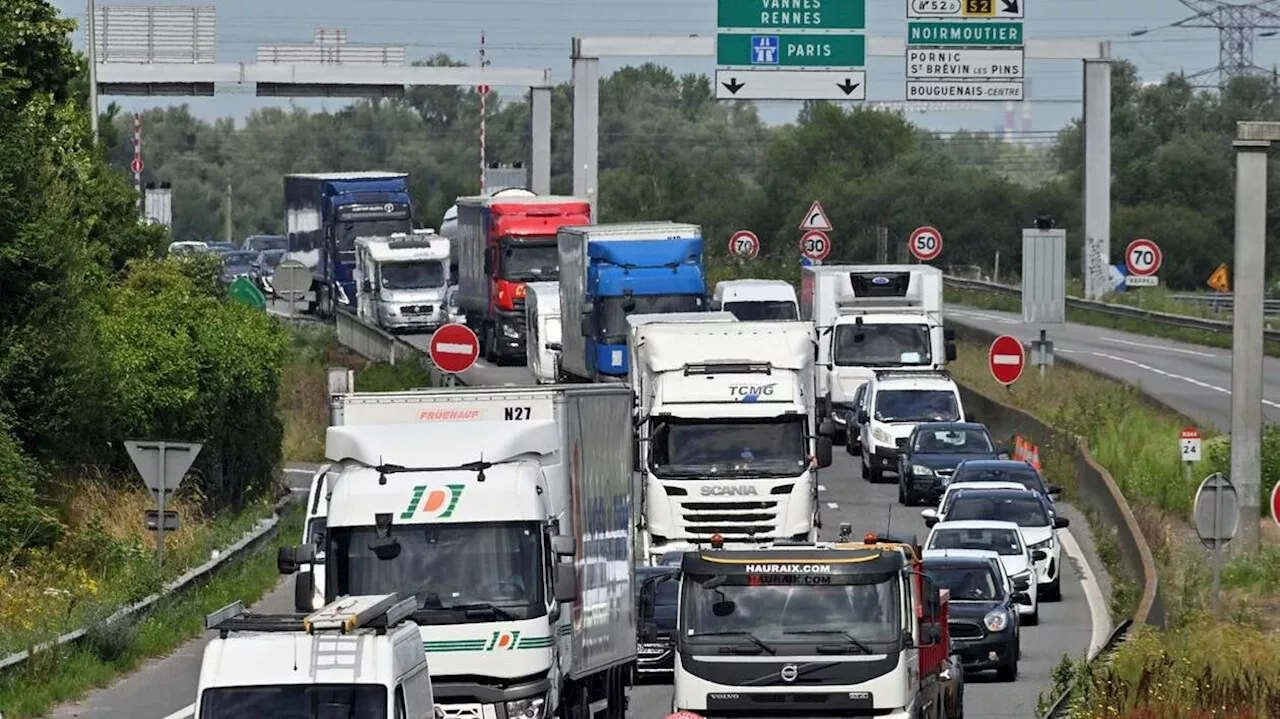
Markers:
<point>1003,538</point>
<point>1030,510</point>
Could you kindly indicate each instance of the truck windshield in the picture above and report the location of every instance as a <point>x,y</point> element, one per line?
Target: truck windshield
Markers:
<point>870,345</point>
<point>778,613</point>
<point>700,448</point>
<point>529,261</point>
<point>762,311</point>
<point>424,275</point>
<point>465,572</point>
<point>613,312</point>
<point>917,405</point>
<point>295,701</point>
<point>349,230</point>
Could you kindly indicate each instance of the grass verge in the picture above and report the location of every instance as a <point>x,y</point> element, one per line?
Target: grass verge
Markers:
<point>67,673</point>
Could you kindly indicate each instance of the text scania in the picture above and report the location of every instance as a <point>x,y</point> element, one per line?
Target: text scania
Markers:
<point>741,490</point>
<point>789,569</point>
<point>747,390</point>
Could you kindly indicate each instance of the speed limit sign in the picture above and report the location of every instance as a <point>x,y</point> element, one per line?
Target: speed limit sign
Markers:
<point>1143,258</point>
<point>815,245</point>
<point>925,243</point>
<point>744,244</point>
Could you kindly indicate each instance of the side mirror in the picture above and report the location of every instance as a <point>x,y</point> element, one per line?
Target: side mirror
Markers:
<point>928,514</point>
<point>588,326</point>
<point>863,417</point>
<point>1003,452</point>
<point>949,335</point>
<point>367,286</point>
<point>1054,489</point>
<point>1022,598</point>
<point>564,546</point>
<point>304,587</point>
<point>565,584</point>
<point>287,560</point>
<point>951,352</point>
<point>824,451</point>
<point>973,418</point>
<point>1021,584</point>
<point>1039,555</point>
<point>827,428</point>
<point>553,615</point>
<point>1061,522</point>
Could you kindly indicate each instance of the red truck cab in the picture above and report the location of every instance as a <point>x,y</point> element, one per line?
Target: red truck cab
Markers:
<point>504,241</point>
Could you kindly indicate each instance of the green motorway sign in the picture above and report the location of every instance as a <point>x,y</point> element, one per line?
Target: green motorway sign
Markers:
<point>793,50</point>
<point>970,34</point>
<point>791,14</point>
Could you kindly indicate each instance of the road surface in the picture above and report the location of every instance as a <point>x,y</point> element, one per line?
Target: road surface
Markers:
<point>1193,379</point>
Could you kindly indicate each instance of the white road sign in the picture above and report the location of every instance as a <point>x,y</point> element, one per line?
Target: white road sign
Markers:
<point>976,9</point>
<point>1141,281</point>
<point>961,63</point>
<point>963,90</point>
<point>835,85</point>
<point>1189,444</point>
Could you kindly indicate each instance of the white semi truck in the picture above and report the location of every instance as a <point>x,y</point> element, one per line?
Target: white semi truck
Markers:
<point>506,512</point>
<point>543,331</point>
<point>868,318</point>
<point>401,281</point>
<point>728,433</point>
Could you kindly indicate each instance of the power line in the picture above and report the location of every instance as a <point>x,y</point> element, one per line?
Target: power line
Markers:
<point>1238,26</point>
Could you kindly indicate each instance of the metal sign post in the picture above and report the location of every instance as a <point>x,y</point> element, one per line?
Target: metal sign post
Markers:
<point>1217,513</point>
<point>162,466</point>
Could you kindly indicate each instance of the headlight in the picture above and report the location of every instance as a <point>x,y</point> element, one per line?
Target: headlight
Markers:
<point>533,708</point>
<point>920,471</point>
<point>1046,544</point>
<point>881,436</point>
<point>996,620</point>
<point>510,332</point>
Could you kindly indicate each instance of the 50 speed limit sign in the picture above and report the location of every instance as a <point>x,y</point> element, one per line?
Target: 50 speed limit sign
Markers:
<point>744,244</point>
<point>1143,258</point>
<point>925,243</point>
<point>815,245</point>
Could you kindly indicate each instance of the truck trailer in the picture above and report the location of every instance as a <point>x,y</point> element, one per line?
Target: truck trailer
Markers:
<point>506,512</point>
<point>608,272</point>
<point>401,281</point>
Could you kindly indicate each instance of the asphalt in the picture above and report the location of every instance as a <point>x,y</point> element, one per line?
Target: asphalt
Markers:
<point>1193,379</point>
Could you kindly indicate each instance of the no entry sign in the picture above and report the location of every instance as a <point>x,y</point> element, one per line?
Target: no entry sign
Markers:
<point>1275,503</point>
<point>454,348</point>
<point>1006,359</point>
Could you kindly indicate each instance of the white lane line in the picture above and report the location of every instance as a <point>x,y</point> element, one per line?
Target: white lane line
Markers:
<point>299,470</point>
<point>832,505</point>
<point>1163,348</point>
<point>1171,375</point>
<point>1099,618</point>
<point>183,713</point>
<point>981,315</point>
<point>822,487</point>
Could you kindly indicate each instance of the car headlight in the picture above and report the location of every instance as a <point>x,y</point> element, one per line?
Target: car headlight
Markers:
<point>996,620</point>
<point>510,332</point>
<point>921,471</point>
<point>1045,545</point>
<point>532,708</point>
<point>881,436</point>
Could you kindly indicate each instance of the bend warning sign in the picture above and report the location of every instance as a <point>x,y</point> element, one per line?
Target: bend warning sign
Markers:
<point>1219,280</point>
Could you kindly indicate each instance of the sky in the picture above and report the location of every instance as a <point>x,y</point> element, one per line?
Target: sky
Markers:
<point>537,33</point>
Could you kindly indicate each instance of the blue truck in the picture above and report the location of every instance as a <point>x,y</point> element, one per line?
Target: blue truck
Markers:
<point>326,212</point>
<point>611,271</point>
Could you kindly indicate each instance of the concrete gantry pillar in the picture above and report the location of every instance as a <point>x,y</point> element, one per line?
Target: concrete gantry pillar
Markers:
<point>540,130</point>
<point>586,128</point>
<point>1096,257</point>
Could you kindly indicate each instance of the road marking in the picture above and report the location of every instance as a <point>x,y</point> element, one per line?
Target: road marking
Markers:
<point>822,487</point>
<point>1171,375</point>
<point>508,384</point>
<point>455,348</point>
<point>1099,618</point>
<point>299,470</point>
<point>832,505</point>
<point>183,713</point>
<point>1006,359</point>
<point>1163,348</point>
<point>984,316</point>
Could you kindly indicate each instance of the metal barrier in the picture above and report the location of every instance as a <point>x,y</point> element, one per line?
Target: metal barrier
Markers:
<point>1221,301</point>
<point>1161,318</point>
<point>373,343</point>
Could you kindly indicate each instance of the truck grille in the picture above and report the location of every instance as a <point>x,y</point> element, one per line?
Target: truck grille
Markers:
<point>521,319</point>
<point>731,520</point>
<point>418,309</point>
<point>461,711</point>
<point>965,630</point>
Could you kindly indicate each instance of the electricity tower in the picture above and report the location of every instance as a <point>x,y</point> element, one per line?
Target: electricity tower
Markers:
<point>1238,25</point>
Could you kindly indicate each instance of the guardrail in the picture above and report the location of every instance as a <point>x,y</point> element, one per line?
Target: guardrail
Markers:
<point>373,343</point>
<point>1162,318</point>
<point>264,531</point>
<point>1221,301</point>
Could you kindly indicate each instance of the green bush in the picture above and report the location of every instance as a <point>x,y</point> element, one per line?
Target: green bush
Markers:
<point>1218,459</point>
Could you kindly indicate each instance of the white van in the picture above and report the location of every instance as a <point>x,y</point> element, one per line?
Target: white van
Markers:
<point>894,402</point>
<point>757,300</point>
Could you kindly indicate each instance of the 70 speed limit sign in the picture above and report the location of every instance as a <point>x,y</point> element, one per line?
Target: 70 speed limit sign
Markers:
<point>1143,258</point>
<point>744,244</point>
<point>925,243</point>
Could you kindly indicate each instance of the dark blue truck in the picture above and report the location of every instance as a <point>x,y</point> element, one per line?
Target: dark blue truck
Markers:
<point>325,214</point>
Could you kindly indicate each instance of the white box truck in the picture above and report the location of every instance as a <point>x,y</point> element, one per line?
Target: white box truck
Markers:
<point>506,512</point>
<point>868,318</point>
<point>729,434</point>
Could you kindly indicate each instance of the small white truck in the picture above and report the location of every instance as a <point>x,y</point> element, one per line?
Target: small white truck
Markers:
<point>542,323</point>
<point>401,281</point>
<point>727,428</point>
<point>360,656</point>
<point>757,300</point>
<point>868,318</point>
<point>506,513</point>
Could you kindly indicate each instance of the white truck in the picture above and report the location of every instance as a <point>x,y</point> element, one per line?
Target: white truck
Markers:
<point>752,300</point>
<point>506,513</point>
<point>401,281</point>
<point>868,318</point>
<point>726,423</point>
<point>542,323</point>
<point>359,656</point>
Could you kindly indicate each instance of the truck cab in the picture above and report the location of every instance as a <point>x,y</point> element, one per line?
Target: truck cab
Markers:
<point>757,300</point>
<point>542,318</point>
<point>402,280</point>
<point>831,629</point>
<point>869,318</point>
<point>359,656</point>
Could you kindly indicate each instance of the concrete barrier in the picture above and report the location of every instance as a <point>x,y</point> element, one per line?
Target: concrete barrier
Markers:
<point>373,343</point>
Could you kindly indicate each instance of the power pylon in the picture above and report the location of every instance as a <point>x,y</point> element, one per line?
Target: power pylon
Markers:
<point>1237,25</point>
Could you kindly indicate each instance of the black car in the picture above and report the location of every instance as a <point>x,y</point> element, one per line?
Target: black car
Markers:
<point>1004,470</point>
<point>657,592</point>
<point>985,632</point>
<point>236,264</point>
<point>931,454</point>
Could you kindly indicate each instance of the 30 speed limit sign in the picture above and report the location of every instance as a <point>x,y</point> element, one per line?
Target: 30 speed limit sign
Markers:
<point>744,244</point>
<point>925,243</point>
<point>815,245</point>
<point>1142,258</point>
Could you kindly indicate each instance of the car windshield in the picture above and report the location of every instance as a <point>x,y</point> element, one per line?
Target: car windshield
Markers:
<point>871,345</point>
<point>1026,477</point>
<point>267,242</point>
<point>351,229</point>
<point>615,310</point>
<point>271,258</point>
<point>423,275</point>
<point>529,261</point>
<point>774,613</point>
<point>917,405</point>
<point>952,441</point>
<point>295,701</point>
<point>451,568</point>
<point>967,583</point>
<point>1005,542</point>
<point>1028,511</point>
<point>696,448</point>
<point>762,311</point>
<point>239,259</point>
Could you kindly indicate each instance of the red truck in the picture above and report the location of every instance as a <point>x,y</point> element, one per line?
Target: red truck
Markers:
<point>503,241</point>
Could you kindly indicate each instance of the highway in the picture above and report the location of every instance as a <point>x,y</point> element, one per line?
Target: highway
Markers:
<point>1193,379</point>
